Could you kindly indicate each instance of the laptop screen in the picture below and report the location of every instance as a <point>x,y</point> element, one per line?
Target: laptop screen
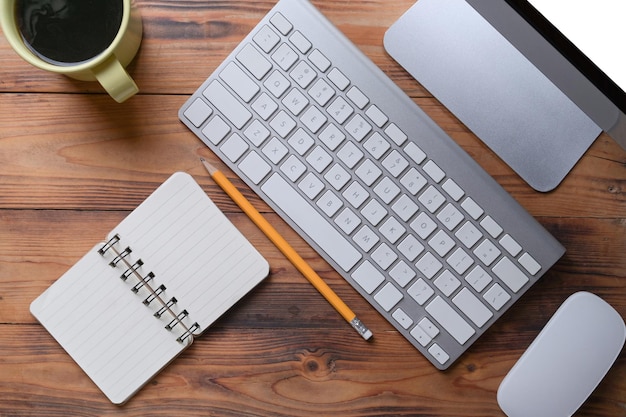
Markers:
<point>590,34</point>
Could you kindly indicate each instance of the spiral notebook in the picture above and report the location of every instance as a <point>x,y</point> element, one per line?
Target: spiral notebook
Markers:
<point>164,274</point>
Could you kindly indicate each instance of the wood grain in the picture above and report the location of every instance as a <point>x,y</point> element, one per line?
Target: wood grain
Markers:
<point>73,163</point>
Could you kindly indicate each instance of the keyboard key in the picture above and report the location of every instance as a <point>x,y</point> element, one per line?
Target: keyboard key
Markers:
<point>402,318</point>
<point>257,133</point>
<point>348,221</point>
<point>356,195</point>
<point>337,177</point>
<point>491,226</point>
<point>450,217</point>
<point>264,106</point>
<point>450,320</point>
<point>453,189</point>
<point>216,130</point>
<point>303,74</point>
<point>337,78</point>
<point>358,127</point>
<point>234,147</point>
<point>329,203</point>
<point>396,135</point>
<point>254,61</point>
<point>374,212</point>
<point>332,136</point>
<point>395,163</point>
<point>429,327</point>
<point>478,278</point>
<point>285,57</point>
<point>340,110</point>
<point>388,297</point>
<point>321,92</point>
<point>275,150</point>
<point>472,208</point>
<point>421,291</point>
<point>295,101</point>
<point>487,252</point>
<point>420,336</point>
<point>255,167</point>
<point>283,124</point>
<point>392,230</point>
<point>376,115</point>
<point>301,142</point>
<point>368,172</point>
<point>313,119</point>
<point>366,238</point>
<point>319,159</point>
<point>496,296</point>
<point>327,237</point>
<point>432,199</point>
<point>281,23</point>
<point>441,243</point>
<point>530,264</point>
<point>357,97</point>
<point>319,60</point>
<point>198,112</point>
<point>404,207</point>
<point>368,277</point>
<point>311,185</point>
<point>227,104</point>
<point>429,265</point>
<point>438,353</point>
<point>468,234</point>
<point>387,190</point>
<point>350,154</point>
<point>266,39</point>
<point>472,307</point>
<point>410,247</point>
<point>510,245</point>
<point>413,181</point>
<point>460,261</point>
<point>293,168</point>
<point>301,43</point>
<point>376,145</point>
<point>277,84</point>
<point>240,83</point>
<point>510,274</point>
<point>447,283</point>
<point>433,171</point>
<point>402,273</point>
<point>423,225</point>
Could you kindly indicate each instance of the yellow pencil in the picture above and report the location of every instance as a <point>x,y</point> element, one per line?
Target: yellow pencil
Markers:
<point>287,250</point>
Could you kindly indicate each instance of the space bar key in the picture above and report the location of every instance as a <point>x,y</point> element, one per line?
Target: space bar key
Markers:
<point>311,222</point>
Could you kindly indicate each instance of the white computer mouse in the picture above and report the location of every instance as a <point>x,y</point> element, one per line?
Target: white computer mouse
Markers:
<point>566,361</point>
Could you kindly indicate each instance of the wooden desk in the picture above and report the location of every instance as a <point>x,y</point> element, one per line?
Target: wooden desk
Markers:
<point>73,163</point>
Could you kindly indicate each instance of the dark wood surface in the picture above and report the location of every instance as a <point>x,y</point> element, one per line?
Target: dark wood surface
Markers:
<point>73,163</point>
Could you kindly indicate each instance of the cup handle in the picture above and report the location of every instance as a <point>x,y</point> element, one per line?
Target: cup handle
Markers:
<point>115,80</point>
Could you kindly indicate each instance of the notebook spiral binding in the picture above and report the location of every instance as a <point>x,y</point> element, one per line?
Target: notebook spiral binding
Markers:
<point>132,269</point>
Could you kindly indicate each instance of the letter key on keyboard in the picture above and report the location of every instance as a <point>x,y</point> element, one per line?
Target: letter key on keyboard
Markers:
<point>362,174</point>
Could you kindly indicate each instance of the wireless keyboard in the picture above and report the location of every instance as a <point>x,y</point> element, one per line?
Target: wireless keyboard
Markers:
<point>369,181</point>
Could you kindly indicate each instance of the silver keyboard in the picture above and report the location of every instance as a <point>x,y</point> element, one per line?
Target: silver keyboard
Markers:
<point>365,177</point>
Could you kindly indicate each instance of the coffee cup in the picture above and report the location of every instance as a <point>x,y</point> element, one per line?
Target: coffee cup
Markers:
<point>86,40</point>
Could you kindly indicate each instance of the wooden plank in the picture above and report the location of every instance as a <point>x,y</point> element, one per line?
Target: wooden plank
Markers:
<point>302,372</point>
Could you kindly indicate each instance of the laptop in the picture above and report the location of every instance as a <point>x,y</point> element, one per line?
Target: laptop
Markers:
<point>524,76</point>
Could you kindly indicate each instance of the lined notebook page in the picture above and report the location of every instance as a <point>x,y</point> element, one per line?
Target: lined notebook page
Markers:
<point>103,326</point>
<point>190,247</point>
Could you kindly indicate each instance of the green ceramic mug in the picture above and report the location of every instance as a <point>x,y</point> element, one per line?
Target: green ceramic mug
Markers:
<point>23,22</point>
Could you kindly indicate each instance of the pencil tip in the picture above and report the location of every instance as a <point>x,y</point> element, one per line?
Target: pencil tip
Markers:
<point>208,166</point>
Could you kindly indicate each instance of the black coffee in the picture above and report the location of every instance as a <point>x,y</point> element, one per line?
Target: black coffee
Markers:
<point>66,32</point>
